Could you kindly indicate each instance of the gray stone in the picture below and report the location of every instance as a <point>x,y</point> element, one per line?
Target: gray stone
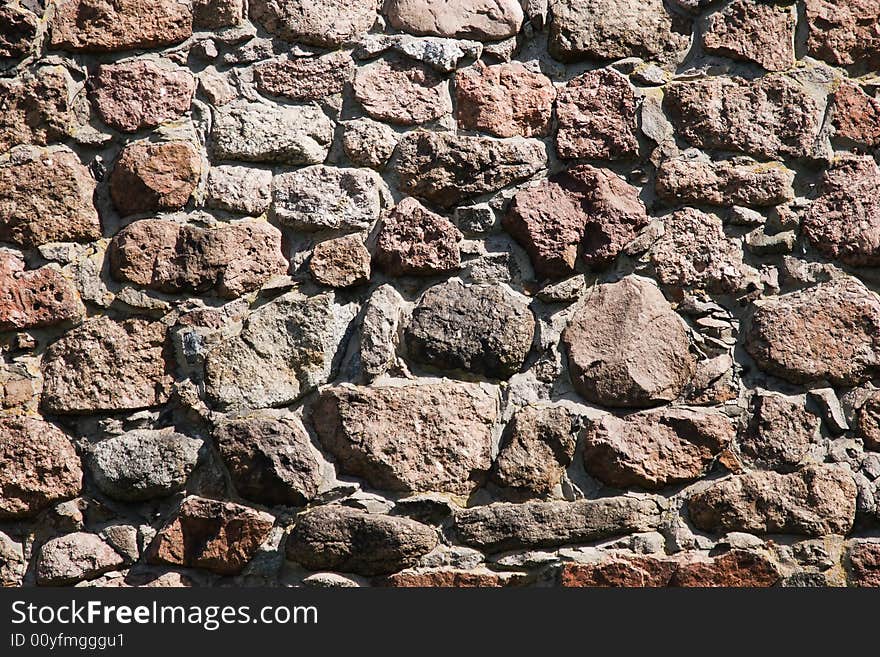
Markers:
<point>378,338</point>
<point>239,189</point>
<point>73,558</point>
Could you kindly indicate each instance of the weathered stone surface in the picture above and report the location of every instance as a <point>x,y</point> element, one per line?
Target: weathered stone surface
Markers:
<point>151,177</point>
<point>452,578</point>
<point>18,30</point>
<point>239,189</point>
<point>218,536</point>
<point>445,169</point>
<point>322,197</point>
<point>868,423</point>
<point>753,32</point>
<point>487,20</point>
<point>694,252</point>
<point>213,14</point>
<point>856,115</point>
<point>504,526</point>
<point>260,132</point>
<point>348,540</point>
<point>585,211</point>
<point>368,143</point>
<point>38,107</point>
<point>341,262</point>
<point>479,329</point>
<point>603,29</point>
<point>844,32</point>
<point>325,23</point>
<point>428,437</point>
<point>34,298</point>
<point>506,100</point>
<point>699,180</point>
<point>596,112</point>
<point>229,260</point>
<point>415,241</point>
<point>74,558</point>
<point>828,332</point>
<point>270,460</point>
<point>143,464</point>
<point>379,329</point>
<point>815,501</point>
<point>770,116</point>
<point>626,346</point>
<point>140,94</point>
<point>12,562</point>
<point>844,220</point>
<point>864,564</point>
<point>39,467</point>
<point>305,78</point>
<point>778,434</point>
<point>285,349</point>
<point>538,447</point>
<point>100,26</point>
<point>103,365</point>
<point>656,448</point>
<point>402,92</point>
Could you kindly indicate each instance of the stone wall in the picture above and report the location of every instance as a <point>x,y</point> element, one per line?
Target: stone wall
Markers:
<point>323,293</point>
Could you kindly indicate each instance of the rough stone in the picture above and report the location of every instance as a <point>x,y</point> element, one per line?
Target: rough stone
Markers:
<point>244,190</point>
<point>74,558</point>
<point>537,449</point>
<point>445,169</point>
<point>324,23</point>
<point>868,423</point>
<point>844,32</point>
<point>654,449</point>
<point>864,563</point>
<point>815,501</point>
<point>214,14</point>
<point>18,30</point>
<point>38,108</point>
<point>479,329</point>
<point>856,115</point>
<point>39,467</point>
<point>305,78</point>
<point>270,460</point>
<point>261,132</point>
<point>368,143</point>
<point>341,262</point>
<point>753,32</point>
<point>143,464</point>
<point>322,197</point>
<point>506,526</point>
<point>12,562</point>
<point>152,177</point>
<point>427,437</point>
<point>379,329</point>
<point>615,29</point>
<point>452,578</point>
<point>596,113</point>
<point>221,537</point>
<point>487,20</point>
<point>229,260</point>
<point>779,433</point>
<point>140,94</point>
<point>506,100</point>
<point>402,92</point>
<point>34,298</point>
<point>826,332</point>
<point>103,365</point>
<point>349,540</point>
<point>415,241</point>
<point>101,26</point>
<point>626,346</point>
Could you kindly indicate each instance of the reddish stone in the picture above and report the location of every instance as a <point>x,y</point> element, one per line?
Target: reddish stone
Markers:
<point>18,29</point>
<point>324,23</point>
<point>74,558</point>
<point>305,78</point>
<point>733,569</point>
<point>415,241</point>
<point>341,262</point>
<point>622,571</point>
<point>753,32</point>
<point>452,578</point>
<point>868,423</point>
<point>401,91</point>
<point>36,298</point>
<point>150,177</point>
<point>864,564</point>
<point>844,32</point>
<point>468,19</point>
<point>38,107</point>
<point>214,14</point>
<point>856,115</point>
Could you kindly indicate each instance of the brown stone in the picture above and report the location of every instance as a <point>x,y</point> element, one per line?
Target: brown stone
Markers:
<point>18,30</point>
<point>452,578</point>
<point>537,448</point>
<point>140,94</point>
<point>341,262</point>
<point>815,501</point>
<point>619,571</point>
<point>305,78</point>
<point>74,558</point>
<point>150,177</point>
<point>229,260</point>
<point>214,14</point>
<point>349,540</point>
<point>506,100</point>
<point>596,112</point>
<point>415,241</point>
<point>104,26</point>
<point>38,467</point>
<point>733,569</point>
<point>38,108</point>
<point>753,32</point>
<point>626,346</point>
<point>770,116</point>
<point>34,298</point>
<point>218,536</point>
<point>324,23</point>
<point>868,423</point>
<point>844,32</point>
<point>103,365</point>
<point>779,433</point>
<point>368,143</point>
<point>654,449</point>
<point>402,91</point>
<point>431,437</point>
<point>487,20</point>
<point>864,564</point>
<point>856,115</point>
<point>830,331</point>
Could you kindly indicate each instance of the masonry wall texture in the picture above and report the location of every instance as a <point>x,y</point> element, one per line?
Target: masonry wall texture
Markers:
<point>465,293</point>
